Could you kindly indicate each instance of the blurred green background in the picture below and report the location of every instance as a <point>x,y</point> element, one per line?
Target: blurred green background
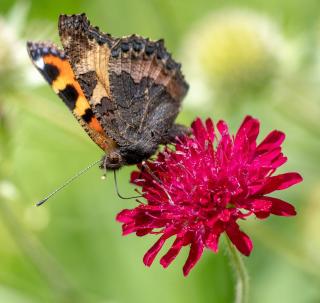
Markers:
<point>240,57</point>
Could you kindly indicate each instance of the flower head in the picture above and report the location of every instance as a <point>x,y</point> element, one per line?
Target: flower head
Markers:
<point>234,52</point>
<point>204,185</point>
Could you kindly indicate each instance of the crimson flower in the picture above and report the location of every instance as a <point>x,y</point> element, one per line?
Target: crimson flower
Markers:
<point>198,189</point>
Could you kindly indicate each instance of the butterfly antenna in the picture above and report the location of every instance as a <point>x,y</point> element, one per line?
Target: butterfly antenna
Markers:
<point>117,189</point>
<point>67,182</point>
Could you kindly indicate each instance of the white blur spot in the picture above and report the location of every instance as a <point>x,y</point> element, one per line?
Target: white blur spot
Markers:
<point>8,190</point>
<point>36,219</point>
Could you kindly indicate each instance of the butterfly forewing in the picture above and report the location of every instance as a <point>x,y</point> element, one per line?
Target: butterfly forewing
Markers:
<point>55,68</point>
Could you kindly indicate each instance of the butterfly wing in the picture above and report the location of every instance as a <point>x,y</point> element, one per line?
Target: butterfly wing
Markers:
<point>148,87</point>
<point>88,50</point>
<point>133,85</point>
<point>53,65</point>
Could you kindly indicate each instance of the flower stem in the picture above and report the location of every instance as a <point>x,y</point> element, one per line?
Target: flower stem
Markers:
<point>62,288</point>
<point>242,287</point>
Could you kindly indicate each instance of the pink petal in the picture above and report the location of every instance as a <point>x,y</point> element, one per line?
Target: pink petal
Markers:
<point>126,215</point>
<point>239,239</point>
<point>212,241</point>
<point>210,129</point>
<point>262,215</point>
<point>267,158</point>
<point>260,205</point>
<point>128,228</point>
<point>154,250</point>
<point>272,141</point>
<point>195,254</point>
<point>249,129</point>
<point>166,260</point>
<point>143,232</point>
<point>281,208</point>
<point>223,151</point>
<point>223,128</point>
<point>134,176</point>
<point>280,182</point>
<point>280,160</point>
<point>199,131</point>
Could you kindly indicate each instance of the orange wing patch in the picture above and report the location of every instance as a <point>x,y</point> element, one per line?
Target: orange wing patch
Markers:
<point>55,68</point>
<point>65,79</point>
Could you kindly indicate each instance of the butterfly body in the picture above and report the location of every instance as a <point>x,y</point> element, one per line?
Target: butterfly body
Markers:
<point>125,92</point>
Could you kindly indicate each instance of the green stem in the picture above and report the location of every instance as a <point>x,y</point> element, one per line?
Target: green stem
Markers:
<point>62,288</point>
<point>242,287</point>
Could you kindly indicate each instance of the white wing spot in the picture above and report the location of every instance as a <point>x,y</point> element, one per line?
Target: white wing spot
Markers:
<point>39,63</point>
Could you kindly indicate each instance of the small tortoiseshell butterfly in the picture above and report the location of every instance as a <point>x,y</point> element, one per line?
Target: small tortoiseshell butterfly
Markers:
<point>125,92</point>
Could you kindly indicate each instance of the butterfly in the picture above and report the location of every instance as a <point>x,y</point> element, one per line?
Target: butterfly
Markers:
<point>125,92</point>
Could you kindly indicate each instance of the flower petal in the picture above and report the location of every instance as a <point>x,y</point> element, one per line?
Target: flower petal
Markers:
<point>223,128</point>
<point>195,254</point>
<point>249,130</point>
<point>239,239</point>
<point>154,250</point>
<point>281,208</point>
<point>126,215</point>
<point>135,175</point>
<point>260,204</point>
<point>212,239</point>
<point>280,182</point>
<point>166,260</point>
<point>224,147</point>
<point>210,129</point>
<point>199,131</point>
<point>279,161</point>
<point>143,232</point>
<point>272,141</point>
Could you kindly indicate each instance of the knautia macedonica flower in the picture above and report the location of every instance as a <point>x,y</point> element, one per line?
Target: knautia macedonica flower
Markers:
<point>204,185</point>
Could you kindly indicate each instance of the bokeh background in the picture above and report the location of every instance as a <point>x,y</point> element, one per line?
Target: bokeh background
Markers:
<point>240,57</point>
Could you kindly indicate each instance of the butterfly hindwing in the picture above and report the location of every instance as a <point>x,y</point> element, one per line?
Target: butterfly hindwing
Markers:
<point>52,63</point>
<point>147,86</point>
<point>133,85</point>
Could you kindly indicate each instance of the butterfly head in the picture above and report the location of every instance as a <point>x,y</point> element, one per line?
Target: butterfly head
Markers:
<point>112,160</point>
<point>128,155</point>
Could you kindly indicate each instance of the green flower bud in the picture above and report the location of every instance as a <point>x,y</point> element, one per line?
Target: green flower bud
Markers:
<point>235,51</point>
